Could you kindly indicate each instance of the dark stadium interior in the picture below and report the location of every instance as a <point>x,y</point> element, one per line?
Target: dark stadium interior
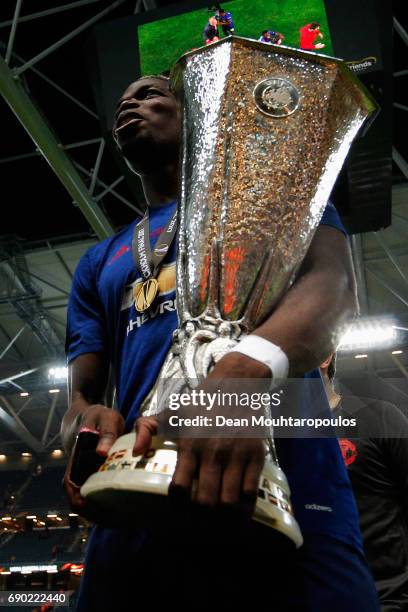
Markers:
<point>44,233</point>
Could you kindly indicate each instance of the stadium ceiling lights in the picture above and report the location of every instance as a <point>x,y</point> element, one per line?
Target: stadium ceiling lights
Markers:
<point>369,333</point>
<point>58,374</point>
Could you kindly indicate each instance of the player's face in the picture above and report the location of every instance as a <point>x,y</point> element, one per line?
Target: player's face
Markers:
<point>147,116</point>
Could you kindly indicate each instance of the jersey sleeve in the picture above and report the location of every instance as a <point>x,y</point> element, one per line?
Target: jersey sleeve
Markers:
<point>86,328</point>
<point>331,217</point>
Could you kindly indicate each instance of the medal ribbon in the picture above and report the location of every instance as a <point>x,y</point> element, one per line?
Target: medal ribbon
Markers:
<point>147,260</point>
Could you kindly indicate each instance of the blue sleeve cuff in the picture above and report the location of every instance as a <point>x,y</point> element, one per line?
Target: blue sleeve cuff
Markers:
<point>331,217</point>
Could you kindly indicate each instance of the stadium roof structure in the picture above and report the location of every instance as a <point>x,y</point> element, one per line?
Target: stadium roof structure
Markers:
<point>54,206</point>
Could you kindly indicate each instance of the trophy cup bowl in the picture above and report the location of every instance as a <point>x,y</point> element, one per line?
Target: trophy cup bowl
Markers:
<point>266,129</point>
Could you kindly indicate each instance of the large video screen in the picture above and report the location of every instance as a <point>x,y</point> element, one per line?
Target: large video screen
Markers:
<point>293,23</point>
<point>356,30</point>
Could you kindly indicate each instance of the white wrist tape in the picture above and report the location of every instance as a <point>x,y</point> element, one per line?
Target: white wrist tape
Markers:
<point>266,352</point>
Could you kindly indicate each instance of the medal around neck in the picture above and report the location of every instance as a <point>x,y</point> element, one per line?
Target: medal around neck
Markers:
<point>145,294</point>
<point>266,130</point>
<point>149,261</point>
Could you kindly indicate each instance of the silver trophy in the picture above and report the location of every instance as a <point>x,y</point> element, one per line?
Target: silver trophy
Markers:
<point>266,130</point>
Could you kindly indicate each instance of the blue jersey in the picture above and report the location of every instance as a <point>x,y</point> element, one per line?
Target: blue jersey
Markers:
<point>225,20</point>
<point>102,318</point>
<point>274,38</point>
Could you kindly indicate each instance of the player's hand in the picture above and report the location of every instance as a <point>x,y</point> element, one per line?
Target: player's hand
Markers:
<point>146,428</point>
<point>227,471</point>
<point>110,425</point>
<point>319,46</point>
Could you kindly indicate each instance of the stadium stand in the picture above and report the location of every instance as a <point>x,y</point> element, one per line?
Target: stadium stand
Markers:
<point>22,541</point>
<point>10,483</point>
<point>42,546</point>
<point>45,490</point>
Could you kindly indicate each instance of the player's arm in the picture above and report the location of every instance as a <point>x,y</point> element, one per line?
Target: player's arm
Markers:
<point>306,323</point>
<point>87,350</point>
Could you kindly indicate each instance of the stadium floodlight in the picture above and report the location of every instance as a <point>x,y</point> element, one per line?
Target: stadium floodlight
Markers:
<point>26,454</point>
<point>58,374</point>
<point>369,333</point>
<point>396,352</point>
<point>24,394</point>
<point>53,391</point>
<point>3,457</point>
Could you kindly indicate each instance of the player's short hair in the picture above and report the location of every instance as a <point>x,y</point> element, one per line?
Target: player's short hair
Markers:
<point>265,32</point>
<point>221,10</point>
<point>331,370</point>
<point>162,77</point>
<point>314,25</point>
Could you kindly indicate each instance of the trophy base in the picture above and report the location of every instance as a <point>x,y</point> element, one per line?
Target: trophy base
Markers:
<point>126,486</point>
